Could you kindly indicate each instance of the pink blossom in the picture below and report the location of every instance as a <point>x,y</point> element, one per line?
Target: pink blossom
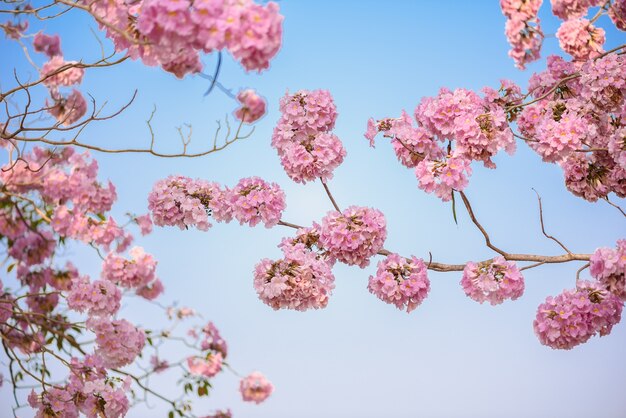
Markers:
<point>255,388</point>
<point>212,340</point>
<point>49,45</point>
<point>252,106</point>
<point>302,280</point>
<point>68,110</point>
<point>33,247</point>
<point>254,200</point>
<point>617,13</point>
<point>100,297</point>
<point>580,39</point>
<point>151,290</point>
<point>494,281</point>
<point>302,138</point>
<point>137,272</point>
<point>576,315</point>
<point>69,76</point>
<point>145,223</point>
<point>184,202</point>
<point>354,235</point>
<point>608,267</point>
<point>569,9</point>
<point>158,365</point>
<point>400,282</point>
<point>208,366</point>
<point>523,30</point>
<point>118,342</point>
<point>443,176</point>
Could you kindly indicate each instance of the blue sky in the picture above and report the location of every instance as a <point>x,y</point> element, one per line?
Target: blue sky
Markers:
<point>360,357</point>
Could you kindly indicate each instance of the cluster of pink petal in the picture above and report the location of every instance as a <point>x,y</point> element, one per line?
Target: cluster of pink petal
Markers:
<point>118,342</point>
<point>617,13</point>
<point>55,77</point>
<point>208,366</point>
<point>443,176</point>
<point>400,282</point>
<point>6,307</point>
<point>68,110</point>
<point>576,315</point>
<point>570,9</point>
<point>184,202</point>
<point>137,272</point>
<point>145,223</point>
<point>88,392</point>
<point>354,235</point>
<point>301,280</point>
<point>608,267</point>
<point>252,106</point>
<point>98,298</point>
<point>523,30</point>
<point>302,137</point>
<point>255,388</point>
<point>173,33</point>
<point>46,44</point>
<point>494,281</point>
<point>253,200</point>
<point>580,108</point>
<point>32,247</point>
<point>212,340</point>
<point>580,39</point>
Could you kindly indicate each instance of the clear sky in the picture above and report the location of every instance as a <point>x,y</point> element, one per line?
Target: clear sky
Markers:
<point>362,358</point>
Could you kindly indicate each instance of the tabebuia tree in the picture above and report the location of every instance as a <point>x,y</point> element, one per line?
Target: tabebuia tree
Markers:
<point>67,349</point>
<point>67,346</point>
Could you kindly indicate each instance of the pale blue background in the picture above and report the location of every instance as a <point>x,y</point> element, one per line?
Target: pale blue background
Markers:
<point>360,357</point>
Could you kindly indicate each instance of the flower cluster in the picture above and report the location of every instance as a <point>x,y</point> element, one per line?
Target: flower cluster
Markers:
<point>400,282</point>
<point>98,298</point>
<point>580,39</point>
<point>353,235</point>
<point>571,9</point>
<point>578,123</point>
<point>477,127</point>
<point>617,13</point>
<point>253,200</point>
<point>576,315</point>
<point>494,281</point>
<point>118,341</point>
<point>523,30</point>
<point>303,139</point>
<point>302,280</point>
<point>608,267</point>
<point>184,202</point>
<point>207,366</point>
<point>255,388</point>
<point>252,106</point>
<point>172,34</point>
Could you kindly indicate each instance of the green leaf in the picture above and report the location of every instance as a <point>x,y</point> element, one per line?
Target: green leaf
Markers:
<point>11,267</point>
<point>171,414</point>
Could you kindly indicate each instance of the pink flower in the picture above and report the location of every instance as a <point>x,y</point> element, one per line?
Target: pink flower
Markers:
<point>152,290</point>
<point>49,45</point>
<point>302,138</point>
<point>212,340</point>
<point>255,388</point>
<point>99,298</point>
<point>71,74</point>
<point>302,280</point>
<point>569,9</point>
<point>576,315</point>
<point>158,365</point>
<point>184,202</point>
<point>523,30</point>
<point>118,342</point>
<point>608,267</point>
<point>252,106</point>
<point>137,272</point>
<point>254,200</point>
<point>443,176</point>
<point>494,281</point>
<point>580,39</point>
<point>145,223</point>
<point>208,366</point>
<point>617,13</point>
<point>68,110</point>
<point>400,282</point>
<point>354,235</point>
<point>33,247</point>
